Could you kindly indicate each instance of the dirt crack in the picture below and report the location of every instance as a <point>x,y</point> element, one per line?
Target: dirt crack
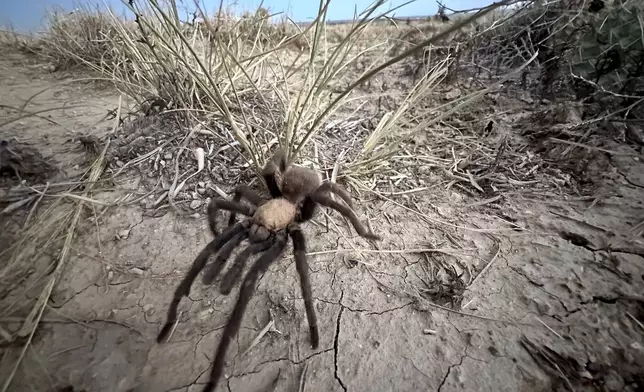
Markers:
<point>628,251</point>
<point>604,299</point>
<point>628,180</point>
<point>582,242</point>
<point>369,312</point>
<point>194,382</point>
<point>261,278</point>
<point>258,367</point>
<point>203,335</point>
<point>136,224</point>
<point>335,343</point>
<point>57,306</point>
<point>391,310</point>
<point>449,369</point>
<point>529,279</point>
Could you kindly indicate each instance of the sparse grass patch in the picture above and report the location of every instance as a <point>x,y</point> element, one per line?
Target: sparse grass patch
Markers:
<point>89,37</point>
<point>13,40</point>
<point>209,68</point>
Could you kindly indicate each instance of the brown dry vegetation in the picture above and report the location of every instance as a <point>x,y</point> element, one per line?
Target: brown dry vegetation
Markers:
<point>498,154</point>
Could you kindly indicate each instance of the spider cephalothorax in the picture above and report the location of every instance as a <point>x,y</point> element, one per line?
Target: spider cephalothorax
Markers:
<point>304,188</point>
<point>295,192</point>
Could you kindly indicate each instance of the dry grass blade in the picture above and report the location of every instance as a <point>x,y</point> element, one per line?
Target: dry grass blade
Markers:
<point>303,377</point>
<point>372,72</point>
<point>488,265</point>
<point>549,328</point>
<point>260,335</point>
<point>16,205</point>
<point>37,113</point>
<point>33,208</point>
<point>390,137</point>
<point>31,323</point>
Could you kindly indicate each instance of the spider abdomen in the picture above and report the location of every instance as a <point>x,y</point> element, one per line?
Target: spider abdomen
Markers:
<point>275,214</point>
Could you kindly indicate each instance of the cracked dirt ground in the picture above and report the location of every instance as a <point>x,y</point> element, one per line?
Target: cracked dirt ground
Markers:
<point>571,280</point>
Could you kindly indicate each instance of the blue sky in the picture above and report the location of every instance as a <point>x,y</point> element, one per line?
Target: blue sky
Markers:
<point>28,15</point>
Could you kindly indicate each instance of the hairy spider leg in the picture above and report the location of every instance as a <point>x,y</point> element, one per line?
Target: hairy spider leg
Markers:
<point>307,210</point>
<point>272,173</point>
<point>326,200</point>
<point>245,294</point>
<point>232,275</point>
<point>222,257</point>
<point>242,191</point>
<point>338,190</point>
<point>279,159</point>
<point>299,250</point>
<point>184,287</point>
<point>271,184</point>
<point>228,205</point>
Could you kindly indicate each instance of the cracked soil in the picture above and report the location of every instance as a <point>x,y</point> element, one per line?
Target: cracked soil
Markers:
<point>582,299</point>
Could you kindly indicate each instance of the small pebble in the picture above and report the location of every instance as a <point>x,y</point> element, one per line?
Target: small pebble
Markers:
<point>110,276</point>
<point>149,309</point>
<point>195,204</point>
<point>167,156</point>
<point>452,95</point>
<point>119,163</point>
<point>201,191</point>
<point>136,271</point>
<point>428,331</point>
<point>123,234</point>
<point>195,195</point>
<point>201,184</point>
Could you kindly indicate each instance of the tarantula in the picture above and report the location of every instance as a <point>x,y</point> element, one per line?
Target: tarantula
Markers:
<point>295,192</point>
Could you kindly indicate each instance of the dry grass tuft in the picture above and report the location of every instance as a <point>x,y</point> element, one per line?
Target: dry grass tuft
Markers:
<point>253,80</point>
<point>209,69</point>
